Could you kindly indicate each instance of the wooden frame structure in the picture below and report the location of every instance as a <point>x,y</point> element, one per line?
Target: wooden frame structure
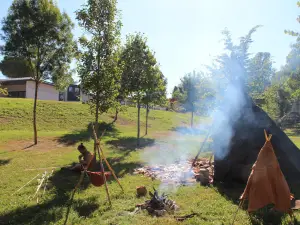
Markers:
<point>97,149</point>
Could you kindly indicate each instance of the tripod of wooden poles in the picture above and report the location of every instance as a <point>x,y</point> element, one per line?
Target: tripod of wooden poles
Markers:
<point>102,157</point>
<point>97,149</point>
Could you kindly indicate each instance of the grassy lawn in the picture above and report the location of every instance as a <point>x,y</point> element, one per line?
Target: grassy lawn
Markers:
<point>61,127</point>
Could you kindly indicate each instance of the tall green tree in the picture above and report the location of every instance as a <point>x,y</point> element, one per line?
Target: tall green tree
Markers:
<point>260,74</point>
<point>98,67</point>
<point>38,43</point>
<point>194,93</point>
<point>155,93</point>
<point>233,65</point>
<point>292,67</point>
<point>139,71</point>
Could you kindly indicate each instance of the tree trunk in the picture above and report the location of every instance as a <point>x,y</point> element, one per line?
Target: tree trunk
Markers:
<point>192,119</point>
<point>147,114</point>
<point>138,124</point>
<point>97,118</point>
<point>116,116</point>
<point>34,112</point>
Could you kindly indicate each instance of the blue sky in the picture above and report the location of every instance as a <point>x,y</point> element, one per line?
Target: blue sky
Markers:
<point>186,34</point>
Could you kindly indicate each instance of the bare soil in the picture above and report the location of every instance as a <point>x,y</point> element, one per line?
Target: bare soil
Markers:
<point>44,144</point>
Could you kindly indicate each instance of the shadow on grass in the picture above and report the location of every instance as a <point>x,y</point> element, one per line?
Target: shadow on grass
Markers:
<point>48,211</point>
<point>87,134</point>
<point>123,168</point>
<point>233,191</point>
<point>61,185</point>
<point>85,208</point>
<point>3,162</point>
<point>130,143</point>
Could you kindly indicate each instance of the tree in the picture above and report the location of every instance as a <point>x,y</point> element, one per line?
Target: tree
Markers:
<point>233,66</point>
<point>194,93</point>
<point>261,72</point>
<point>156,93</point>
<point>98,61</point>
<point>139,71</point>
<point>276,101</point>
<point>38,43</point>
<point>292,68</point>
<point>294,33</point>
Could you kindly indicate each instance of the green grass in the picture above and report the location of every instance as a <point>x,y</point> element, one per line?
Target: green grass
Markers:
<point>67,123</point>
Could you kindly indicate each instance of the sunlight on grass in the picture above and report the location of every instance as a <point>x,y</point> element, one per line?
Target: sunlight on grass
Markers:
<point>61,127</point>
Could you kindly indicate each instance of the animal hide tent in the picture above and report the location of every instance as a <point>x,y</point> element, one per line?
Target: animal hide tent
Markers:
<point>247,140</point>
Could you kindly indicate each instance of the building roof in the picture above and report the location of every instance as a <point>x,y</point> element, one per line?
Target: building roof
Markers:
<point>23,79</point>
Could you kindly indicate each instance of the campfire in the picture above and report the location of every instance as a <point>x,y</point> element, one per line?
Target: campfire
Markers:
<point>159,205</point>
<point>181,173</point>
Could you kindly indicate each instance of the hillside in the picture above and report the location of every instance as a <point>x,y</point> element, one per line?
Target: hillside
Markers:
<point>55,118</point>
<point>61,126</point>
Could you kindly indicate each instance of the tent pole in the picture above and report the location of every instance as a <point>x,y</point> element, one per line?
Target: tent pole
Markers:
<point>240,206</point>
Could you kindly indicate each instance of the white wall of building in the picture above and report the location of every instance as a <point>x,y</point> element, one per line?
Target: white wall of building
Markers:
<point>84,98</point>
<point>45,92</point>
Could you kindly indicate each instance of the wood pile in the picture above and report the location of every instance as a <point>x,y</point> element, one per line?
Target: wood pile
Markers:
<point>158,205</point>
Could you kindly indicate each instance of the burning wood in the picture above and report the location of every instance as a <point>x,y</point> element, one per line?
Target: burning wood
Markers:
<point>181,173</point>
<point>159,205</point>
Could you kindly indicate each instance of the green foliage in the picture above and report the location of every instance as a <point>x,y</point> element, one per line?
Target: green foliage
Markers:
<point>195,93</point>
<point>235,66</point>
<point>140,68</point>
<point>272,101</point>
<point>294,33</point>
<point>98,67</point>
<point>156,94</point>
<point>232,66</point>
<point>142,80</point>
<point>291,71</point>
<point>38,41</point>
<point>261,72</point>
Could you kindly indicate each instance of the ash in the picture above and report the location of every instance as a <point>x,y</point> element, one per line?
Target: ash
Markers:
<point>176,173</point>
<point>179,173</point>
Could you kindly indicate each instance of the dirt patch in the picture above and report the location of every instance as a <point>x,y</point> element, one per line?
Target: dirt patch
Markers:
<point>5,120</point>
<point>44,144</point>
<point>124,122</point>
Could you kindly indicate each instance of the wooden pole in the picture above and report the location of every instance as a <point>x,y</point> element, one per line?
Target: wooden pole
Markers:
<point>107,163</point>
<point>72,196</point>
<point>201,148</point>
<point>110,168</point>
<point>25,184</point>
<point>101,164</point>
<point>240,206</point>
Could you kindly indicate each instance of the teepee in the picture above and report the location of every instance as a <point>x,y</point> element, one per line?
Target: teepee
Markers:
<point>266,183</point>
